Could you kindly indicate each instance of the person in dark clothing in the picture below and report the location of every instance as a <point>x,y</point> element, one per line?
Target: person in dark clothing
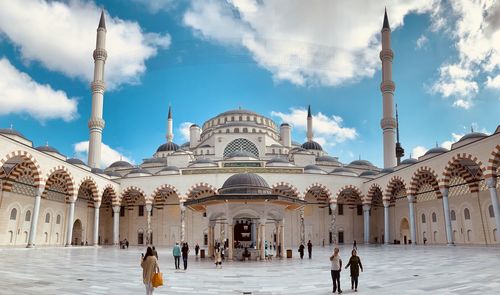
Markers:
<point>155,253</point>
<point>301,251</point>
<point>196,249</point>
<point>354,245</point>
<point>309,248</point>
<point>279,250</point>
<point>355,264</point>
<point>185,252</point>
<point>126,243</point>
<point>335,269</point>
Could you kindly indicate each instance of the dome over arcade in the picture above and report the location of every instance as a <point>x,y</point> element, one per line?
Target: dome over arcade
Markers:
<point>436,150</point>
<point>408,161</point>
<point>361,163</point>
<point>386,170</point>
<point>155,161</point>
<point>47,149</point>
<point>138,172</point>
<point>75,161</point>
<point>343,171</point>
<point>112,174</point>
<point>473,135</point>
<point>312,145</point>
<point>120,164</point>
<point>168,170</point>
<point>313,169</point>
<point>10,131</point>
<point>368,173</point>
<point>245,183</point>
<point>168,147</point>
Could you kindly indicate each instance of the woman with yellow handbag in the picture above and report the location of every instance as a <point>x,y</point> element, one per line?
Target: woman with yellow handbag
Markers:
<point>151,275</point>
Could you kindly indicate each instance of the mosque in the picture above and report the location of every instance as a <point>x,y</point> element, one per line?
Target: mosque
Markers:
<point>242,179</point>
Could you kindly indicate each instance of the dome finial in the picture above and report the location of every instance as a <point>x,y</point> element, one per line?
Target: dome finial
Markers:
<point>309,111</point>
<point>11,126</point>
<point>471,128</point>
<point>47,143</point>
<point>436,144</point>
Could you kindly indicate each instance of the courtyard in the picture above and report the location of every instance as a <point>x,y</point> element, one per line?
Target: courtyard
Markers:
<point>388,270</point>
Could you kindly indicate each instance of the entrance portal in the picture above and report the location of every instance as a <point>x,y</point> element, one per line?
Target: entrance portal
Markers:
<point>77,232</point>
<point>404,230</point>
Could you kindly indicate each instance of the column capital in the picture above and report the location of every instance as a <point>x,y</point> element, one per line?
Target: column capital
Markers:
<point>366,207</point>
<point>182,207</point>
<point>491,182</point>
<point>96,123</point>
<point>149,207</point>
<point>444,191</point>
<point>386,203</point>
<point>97,204</point>
<point>411,199</point>
<point>116,209</point>
<point>333,206</point>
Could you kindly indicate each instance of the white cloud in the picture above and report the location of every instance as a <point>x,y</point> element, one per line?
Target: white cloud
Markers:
<point>156,5</point>
<point>422,41</point>
<point>476,33</point>
<point>327,129</point>
<point>418,151</point>
<point>61,36</point>
<point>19,93</point>
<point>320,43</point>
<point>455,137</point>
<point>108,155</point>
<point>184,130</point>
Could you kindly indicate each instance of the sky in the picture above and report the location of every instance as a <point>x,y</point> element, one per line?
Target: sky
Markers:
<point>276,57</point>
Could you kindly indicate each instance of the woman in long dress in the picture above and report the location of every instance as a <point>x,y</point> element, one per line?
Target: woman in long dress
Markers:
<point>218,256</point>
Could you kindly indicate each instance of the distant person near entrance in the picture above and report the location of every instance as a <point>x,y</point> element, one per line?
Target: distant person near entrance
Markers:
<point>177,255</point>
<point>196,249</point>
<point>301,251</point>
<point>309,249</point>
<point>185,252</point>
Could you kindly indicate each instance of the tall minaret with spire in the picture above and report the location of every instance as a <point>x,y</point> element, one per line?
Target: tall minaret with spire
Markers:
<point>170,128</point>
<point>96,123</point>
<point>310,134</point>
<point>387,87</point>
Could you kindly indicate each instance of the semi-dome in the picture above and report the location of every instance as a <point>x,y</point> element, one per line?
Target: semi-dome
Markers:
<point>368,173</point>
<point>409,161</point>
<point>10,131</point>
<point>245,183</point>
<point>170,169</point>
<point>475,135</point>
<point>47,149</point>
<point>312,145</point>
<point>361,163</point>
<point>311,167</point>
<point>121,164</point>
<point>75,161</point>
<point>185,145</point>
<point>240,154</point>
<point>436,150</point>
<point>168,147</point>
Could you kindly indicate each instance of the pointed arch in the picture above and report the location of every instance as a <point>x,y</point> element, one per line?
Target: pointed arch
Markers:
<point>374,194</point>
<point>9,161</point>
<point>285,189</point>
<point>396,189</point>
<point>59,185</point>
<point>319,191</point>
<point>466,166</point>
<point>424,184</point>
<point>492,170</point>
<point>350,195</point>
<point>161,195</point>
<point>109,196</point>
<point>133,195</point>
<point>200,189</point>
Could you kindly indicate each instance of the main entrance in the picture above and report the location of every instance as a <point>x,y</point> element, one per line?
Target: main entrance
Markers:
<point>77,233</point>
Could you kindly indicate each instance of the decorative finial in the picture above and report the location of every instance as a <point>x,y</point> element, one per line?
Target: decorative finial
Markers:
<point>386,21</point>
<point>359,157</point>
<point>11,126</point>
<point>121,158</point>
<point>102,21</point>
<point>309,111</point>
<point>47,143</point>
<point>471,128</point>
<point>169,112</point>
<point>436,144</point>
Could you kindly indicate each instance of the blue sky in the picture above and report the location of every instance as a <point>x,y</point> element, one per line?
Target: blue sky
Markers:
<point>205,57</point>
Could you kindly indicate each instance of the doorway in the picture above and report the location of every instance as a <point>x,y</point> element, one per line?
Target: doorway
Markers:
<point>77,233</point>
<point>341,237</point>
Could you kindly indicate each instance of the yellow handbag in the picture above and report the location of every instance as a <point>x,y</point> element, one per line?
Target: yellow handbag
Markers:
<point>157,280</point>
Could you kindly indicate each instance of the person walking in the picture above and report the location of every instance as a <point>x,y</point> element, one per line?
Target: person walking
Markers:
<point>177,255</point>
<point>354,246</point>
<point>355,264</point>
<point>309,248</point>
<point>335,269</point>
<point>218,256</point>
<point>150,266</point>
<point>196,249</point>
<point>155,253</point>
<point>185,252</point>
<point>301,251</point>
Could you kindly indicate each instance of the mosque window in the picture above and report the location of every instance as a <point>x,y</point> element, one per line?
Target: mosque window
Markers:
<point>205,239</point>
<point>241,144</point>
<point>11,234</point>
<point>490,210</point>
<point>434,217</point>
<point>141,210</point>
<point>227,130</point>
<point>232,118</point>
<point>241,118</point>
<point>208,152</point>
<point>453,216</point>
<point>245,130</point>
<point>423,218</point>
<point>13,214</point>
<point>27,217</point>
<point>274,151</point>
<point>248,118</point>
<point>47,218</point>
<point>253,130</point>
<point>236,130</point>
<point>58,219</point>
<point>466,214</point>
<point>341,209</point>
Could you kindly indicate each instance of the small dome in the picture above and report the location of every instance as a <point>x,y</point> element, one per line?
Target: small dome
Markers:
<point>194,125</point>
<point>9,131</point>
<point>240,154</point>
<point>476,135</point>
<point>343,170</point>
<point>245,183</point>
<point>361,163</point>
<point>409,161</point>
<point>47,149</point>
<point>312,145</point>
<point>205,146</point>
<point>168,147</point>
<point>97,171</point>
<point>75,161</point>
<point>311,167</point>
<point>155,161</point>
<point>170,169</point>
<point>203,161</point>
<point>138,171</point>
<point>278,160</point>
<point>387,170</point>
<point>285,124</point>
<point>113,174</point>
<point>368,173</point>
<point>436,150</point>
<point>326,158</point>
<point>185,145</point>
<point>121,164</point>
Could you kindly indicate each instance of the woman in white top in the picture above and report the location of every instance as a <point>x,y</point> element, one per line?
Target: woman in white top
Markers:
<point>335,269</point>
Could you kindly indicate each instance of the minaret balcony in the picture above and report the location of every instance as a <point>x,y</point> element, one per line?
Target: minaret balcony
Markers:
<point>387,86</point>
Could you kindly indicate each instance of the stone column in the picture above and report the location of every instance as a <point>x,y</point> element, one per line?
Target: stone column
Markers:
<point>210,240</point>
<point>230,239</point>
<point>366,215</point>
<point>149,231</point>
<point>302,227</point>
<point>262,235</point>
<point>447,219</point>
<point>254,234</point>
<point>492,183</point>
<point>413,229</point>
<point>97,205</point>
<point>183,221</point>
<point>333,227</point>
<point>34,218</point>
<point>386,223</point>
<point>116,225</point>
<point>282,238</point>
<point>71,216</point>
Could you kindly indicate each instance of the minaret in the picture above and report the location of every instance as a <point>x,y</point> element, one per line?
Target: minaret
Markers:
<point>387,87</point>
<point>96,123</point>
<point>400,152</point>
<point>170,128</point>
<point>309,124</point>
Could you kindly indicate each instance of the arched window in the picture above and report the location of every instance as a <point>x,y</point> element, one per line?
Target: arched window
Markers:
<point>453,216</point>
<point>245,130</point>
<point>241,118</point>
<point>47,218</point>
<point>253,130</point>
<point>423,218</point>
<point>434,218</point>
<point>58,219</point>
<point>241,144</point>
<point>469,234</point>
<point>490,210</point>
<point>13,214</point>
<point>11,234</point>
<point>236,130</point>
<point>466,214</point>
<point>27,217</point>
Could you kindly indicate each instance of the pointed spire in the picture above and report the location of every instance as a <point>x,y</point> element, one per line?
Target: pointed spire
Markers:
<point>11,126</point>
<point>386,21</point>
<point>471,128</point>
<point>397,124</point>
<point>169,112</point>
<point>309,111</point>
<point>102,21</point>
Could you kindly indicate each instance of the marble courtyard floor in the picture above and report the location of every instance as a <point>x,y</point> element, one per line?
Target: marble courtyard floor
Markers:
<point>388,270</point>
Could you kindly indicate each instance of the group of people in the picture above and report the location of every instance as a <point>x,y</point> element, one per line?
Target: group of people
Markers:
<point>183,251</point>
<point>309,250</point>
<point>336,267</point>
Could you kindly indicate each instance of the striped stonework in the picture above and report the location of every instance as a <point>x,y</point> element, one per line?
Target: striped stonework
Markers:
<point>25,157</point>
<point>320,192</point>
<point>465,166</point>
<point>422,177</point>
<point>133,195</point>
<point>286,189</point>
<point>199,190</point>
<point>59,180</point>
<point>493,163</point>
<point>396,188</point>
<point>374,194</point>
<point>349,195</point>
<point>162,193</point>
<point>109,197</point>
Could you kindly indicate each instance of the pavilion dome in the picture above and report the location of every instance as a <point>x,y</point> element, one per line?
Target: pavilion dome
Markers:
<point>168,147</point>
<point>436,150</point>
<point>47,149</point>
<point>113,174</point>
<point>361,163</point>
<point>312,145</point>
<point>138,172</point>
<point>368,173</point>
<point>278,160</point>
<point>10,131</point>
<point>75,161</point>
<point>386,170</point>
<point>343,171</point>
<point>245,183</point>
<point>121,164</point>
<point>409,161</point>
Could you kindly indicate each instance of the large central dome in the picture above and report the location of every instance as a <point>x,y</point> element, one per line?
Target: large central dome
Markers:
<point>245,183</point>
